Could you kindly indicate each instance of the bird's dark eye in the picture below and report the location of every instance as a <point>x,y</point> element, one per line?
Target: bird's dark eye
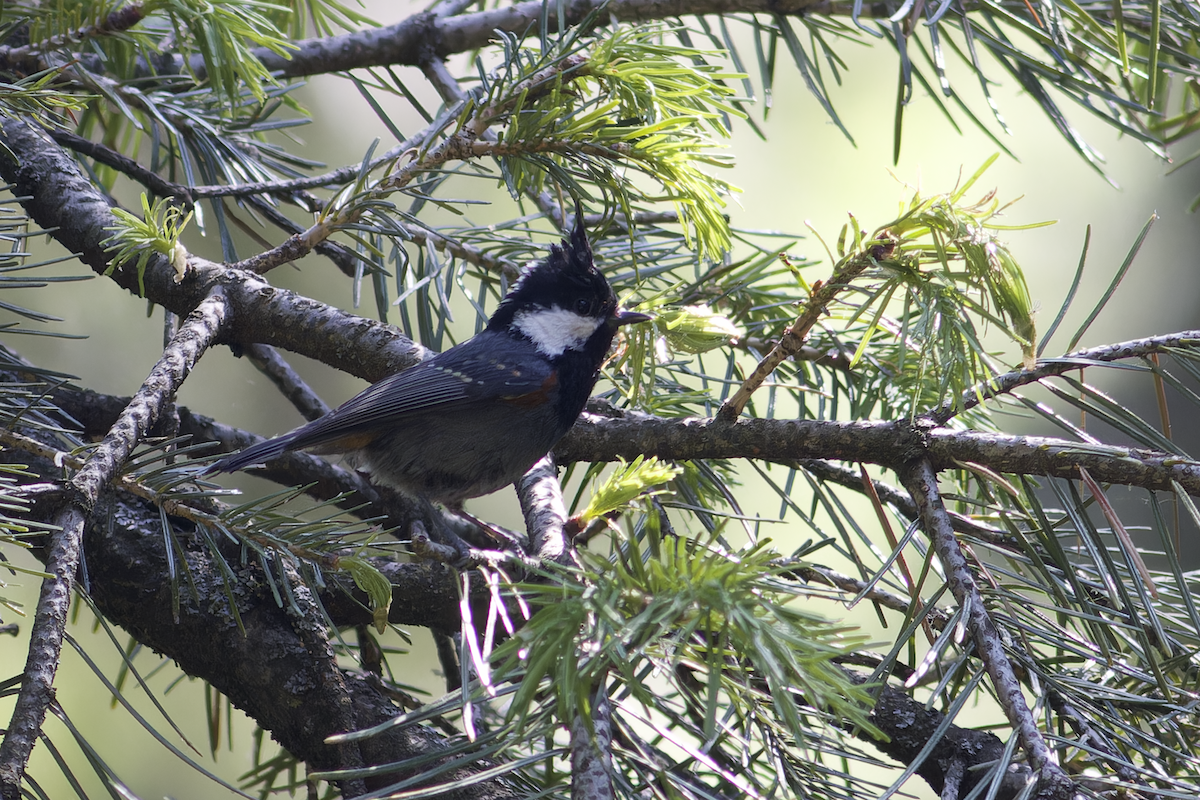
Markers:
<point>583,307</point>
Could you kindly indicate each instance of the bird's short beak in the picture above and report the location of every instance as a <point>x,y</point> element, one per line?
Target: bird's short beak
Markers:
<point>630,317</point>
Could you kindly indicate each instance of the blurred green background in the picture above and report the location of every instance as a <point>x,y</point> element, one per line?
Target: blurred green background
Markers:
<point>805,171</point>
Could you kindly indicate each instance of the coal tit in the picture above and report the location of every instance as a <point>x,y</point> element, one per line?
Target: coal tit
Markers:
<point>476,417</point>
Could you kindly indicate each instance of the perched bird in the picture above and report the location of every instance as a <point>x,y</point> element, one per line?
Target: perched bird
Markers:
<point>475,418</point>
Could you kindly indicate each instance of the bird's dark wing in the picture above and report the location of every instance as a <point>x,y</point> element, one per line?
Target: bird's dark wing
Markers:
<point>489,367</point>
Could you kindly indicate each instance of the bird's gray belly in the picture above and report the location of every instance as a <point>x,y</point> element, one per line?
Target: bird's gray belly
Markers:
<point>449,463</point>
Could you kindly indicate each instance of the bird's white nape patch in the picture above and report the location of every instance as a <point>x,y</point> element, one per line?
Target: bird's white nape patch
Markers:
<point>555,330</point>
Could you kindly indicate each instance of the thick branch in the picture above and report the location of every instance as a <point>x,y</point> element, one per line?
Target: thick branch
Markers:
<point>59,198</point>
<point>92,414</point>
<point>591,751</point>
<point>910,724</point>
<point>906,721</point>
<point>605,438</point>
<point>890,444</point>
<point>545,513</point>
<point>412,40</point>
<point>277,665</point>
<point>269,671</point>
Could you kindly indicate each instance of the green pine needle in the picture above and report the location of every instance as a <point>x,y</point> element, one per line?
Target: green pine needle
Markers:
<point>628,482</point>
<point>157,232</point>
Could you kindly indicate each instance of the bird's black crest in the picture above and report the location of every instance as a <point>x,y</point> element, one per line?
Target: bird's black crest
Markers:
<point>562,278</point>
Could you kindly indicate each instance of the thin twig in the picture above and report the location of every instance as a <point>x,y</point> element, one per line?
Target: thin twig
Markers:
<point>196,334</point>
<point>451,93</point>
<point>467,557</point>
<point>442,80</point>
<point>336,177</point>
<point>1049,368</point>
<point>471,255</point>
<point>121,163</point>
<point>117,21</point>
<point>953,782</point>
<point>842,476</point>
<point>1095,740</point>
<point>831,357</point>
<point>792,341</point>
<point>447,653</point>
<point>921,481</point>
<point>342,257</point>
<point>463,145</point>
<point>815,573</point>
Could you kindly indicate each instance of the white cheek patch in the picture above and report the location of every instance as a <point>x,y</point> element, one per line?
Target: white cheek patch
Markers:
<point>555,330</point>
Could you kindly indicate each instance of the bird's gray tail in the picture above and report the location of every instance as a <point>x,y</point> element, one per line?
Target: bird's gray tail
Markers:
<point>255,454</point>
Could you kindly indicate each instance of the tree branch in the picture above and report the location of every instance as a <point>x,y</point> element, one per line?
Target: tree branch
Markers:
<point>792,342</point>
<point>59,198</point>
<point>408,42</point>
<point>1051,367</point>
<point>115,22</point>
<point>120,162</point>
<point>815,573</point>
<point>910,725</point>
<point>269,671</point>
<point>135,591</point>
<point>920,479</point>
<point>890,444</point>
<point>277,666</point>
<point>899,500</point>
<point>194,337</point>
<point>466,143</point>
<point>591,750</point>
<point>545,513</point>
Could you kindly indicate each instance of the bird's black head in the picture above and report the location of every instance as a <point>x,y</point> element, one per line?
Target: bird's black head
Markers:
<point>563,303</point>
